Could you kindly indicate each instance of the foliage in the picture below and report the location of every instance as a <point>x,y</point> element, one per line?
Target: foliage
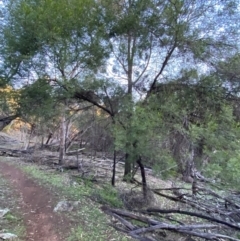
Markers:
<point>8,103</point>
<point>30,33</point>
<point>37,101</point>
<point>107,195</point>
<point>151,66</point>
<point>164,165</point>
<point>225,167</point>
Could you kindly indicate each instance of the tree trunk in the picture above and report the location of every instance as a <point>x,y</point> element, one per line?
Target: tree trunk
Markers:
<point>62,140</point>
<point>188,168</point>
<point>131,39</point>
<point>114,167</point>
<point>143,175</point>
<point>49,138</point>
<point>30,136</point>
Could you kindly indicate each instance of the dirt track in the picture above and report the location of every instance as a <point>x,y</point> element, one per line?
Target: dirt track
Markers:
<point>42,224</point>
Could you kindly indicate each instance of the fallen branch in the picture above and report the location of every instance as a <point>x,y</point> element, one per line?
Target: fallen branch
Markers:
<point>182,198</point>
<point>193,229</point>
<point>75,152</point>
<point>173,227</point>
<point>14,153</point>
<point>150,210</point>
<point>130,215</point>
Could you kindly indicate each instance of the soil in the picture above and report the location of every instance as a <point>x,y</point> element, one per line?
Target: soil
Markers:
<point>37,204</point>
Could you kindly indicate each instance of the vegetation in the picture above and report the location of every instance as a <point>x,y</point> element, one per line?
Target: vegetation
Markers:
<point>12,221</point>
<point>89,214</point>
<point>152,82</point>
<point>104,56</point>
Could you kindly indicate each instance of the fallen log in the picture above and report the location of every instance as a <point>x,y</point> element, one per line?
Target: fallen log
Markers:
<point>127,214</point>
<point>14,153</point>
<point>194,204</point>
<point>154,225</point>
<point>199,215</point>
<point>75,152</point>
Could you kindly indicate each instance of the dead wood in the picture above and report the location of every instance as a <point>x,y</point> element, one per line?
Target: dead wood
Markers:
<point>173,227</point>
<point>153,225</point>
<point>211,204</point>
<point>124,221</point>
<point>14,152</point>
<point>156,210</point>
<point>131,215</point>
<point>185,198</point>
<point>75,152</point>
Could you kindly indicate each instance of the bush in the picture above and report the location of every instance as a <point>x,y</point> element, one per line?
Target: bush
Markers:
<point>107,195</point>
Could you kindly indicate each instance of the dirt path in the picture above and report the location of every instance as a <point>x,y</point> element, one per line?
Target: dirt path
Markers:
<point>42,224</point>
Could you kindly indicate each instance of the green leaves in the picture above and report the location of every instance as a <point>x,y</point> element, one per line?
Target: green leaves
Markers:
<point>37,101</point>
<point>159,51</point>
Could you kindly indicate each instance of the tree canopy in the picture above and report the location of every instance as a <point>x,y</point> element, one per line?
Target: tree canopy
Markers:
<point>162,71</point>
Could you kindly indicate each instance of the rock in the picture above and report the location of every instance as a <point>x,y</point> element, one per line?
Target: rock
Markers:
<point>8,236</point>
<point>3,212</point>
<point>65,206</point>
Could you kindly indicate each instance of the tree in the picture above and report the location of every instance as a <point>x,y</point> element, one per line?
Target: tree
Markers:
<point>8,106</point>
<point>113,53</point>
<point>149,39</point>
<point>199,118</point>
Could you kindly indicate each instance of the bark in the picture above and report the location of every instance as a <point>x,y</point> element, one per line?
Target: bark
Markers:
<point>199,215</point>
<point>143,175</point>
<point>114,167</point>
<point>30,136</point>
<point>49,138</point>
<point>188,171</point>
<point>62,140</point>
<point>14,153</point>
<point>151,225</point>
<point>75,152</point>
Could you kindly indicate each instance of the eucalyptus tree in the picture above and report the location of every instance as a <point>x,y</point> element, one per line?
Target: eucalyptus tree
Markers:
<point>155,42</point>
<point>49,42</point>
<point>112,53</point>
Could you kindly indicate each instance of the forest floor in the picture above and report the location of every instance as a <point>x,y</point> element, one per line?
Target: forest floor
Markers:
<point>31,192</point>
<point>36,204</point>
<point>32,186</point>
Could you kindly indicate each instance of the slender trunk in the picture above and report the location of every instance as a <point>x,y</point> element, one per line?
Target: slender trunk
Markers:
<point>49,138</point>
<point>62,140</point>
<point>42,142</point>
<point>30,136</point>
<point>131,42</point>
<point>143,175</point>
<point>130,63</point>
<point>71,141</point>
<point>188,168</point>
<point>114,167</point>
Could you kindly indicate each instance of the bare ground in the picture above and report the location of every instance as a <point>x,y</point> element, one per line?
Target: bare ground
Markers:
<point>36,205</point>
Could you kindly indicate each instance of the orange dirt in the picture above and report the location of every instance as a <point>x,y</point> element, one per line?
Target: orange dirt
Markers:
<point>42,224</point>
